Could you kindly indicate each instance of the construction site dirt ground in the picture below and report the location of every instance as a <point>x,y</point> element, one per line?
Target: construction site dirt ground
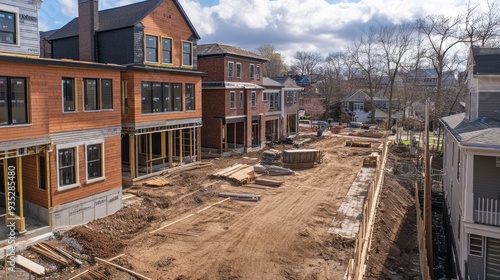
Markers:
<point>284,235</point>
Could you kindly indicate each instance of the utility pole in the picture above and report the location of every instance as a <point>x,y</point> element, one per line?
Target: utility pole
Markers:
<point>428,194</point>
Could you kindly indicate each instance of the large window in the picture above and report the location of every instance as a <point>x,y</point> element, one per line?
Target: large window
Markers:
<point>163,97</point>
<point>238,70</point>
<point>274,98</point>
<point>8,29</point>
<point>95,98</point>
<point>232,100</point>
<point>252,71</point>
<point>230,69</point>
<point>166,50</point>
<point>69,95</point>
<point>13,101</point>
<point>94,161</point>
<point>66,161</point>
<point>190,97</point>
<point>187,53</point>
<point>254,99</point>
<point>151,48</point>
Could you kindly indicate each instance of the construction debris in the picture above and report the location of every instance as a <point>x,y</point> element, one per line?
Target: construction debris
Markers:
<point>49,254</point>
<point>272,170</point>
<point>30,265</point>
<point>157,182</point>
<point>352,143</point>
<point>270,156</point>
<point>305,158</point>
<point>268,182</point>
<point>239,173</point>
<point>241,196</point>
<point>371,160</point>
<point>140,276</point>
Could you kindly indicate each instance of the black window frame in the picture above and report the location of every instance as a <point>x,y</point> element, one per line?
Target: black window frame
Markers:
<point>106,94</point>
<point>187,55</point>
<point>42,172</point>
<point>9,96</point>
<point>190,94</point>
<point>258,72</point>
<point>166,52</point>
<point>87,95</point>
<point>65,164</point>
<point>149,47</point>
<point>169,97</point>
<point>9,31</point>
<point>94,161</point>
<point>68,94</point>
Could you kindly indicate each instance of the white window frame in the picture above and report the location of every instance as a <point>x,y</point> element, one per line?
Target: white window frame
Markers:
<point>230,72</point>
<point>475,252</point>
<point>103,174</point>
<point>358,107</point>
<point>257,71</point>
<point>265,96</point>
<point>295,97</point>
<point>232,100</point>
<point>238,74</point>
<point>251,73</point>
<point>13,10</point>
<point>254,99</point>
<point>76,166</point>
<point>242,103</point>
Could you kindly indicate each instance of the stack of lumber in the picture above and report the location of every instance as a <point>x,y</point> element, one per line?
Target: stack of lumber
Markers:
<point>352,143</point>
<point>304,158</point>
<point>268,182</point>
<point>50,253</point>
<point>272,170</point>
<point>239,173</point>
<point>241,196</point>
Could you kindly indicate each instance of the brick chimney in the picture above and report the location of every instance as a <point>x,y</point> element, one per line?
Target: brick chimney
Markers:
<point>88,23</point>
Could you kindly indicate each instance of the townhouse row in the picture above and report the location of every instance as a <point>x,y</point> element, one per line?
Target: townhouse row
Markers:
<point>115,96</point>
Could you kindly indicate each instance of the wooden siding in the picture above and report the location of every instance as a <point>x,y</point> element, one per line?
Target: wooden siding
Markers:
<point>27,22</point>
<point>31,191</point>
<point>486,177</point>
<point>489,105</point>
<point>112,162</point>
<point>167,21</point>
<point>135,79</point>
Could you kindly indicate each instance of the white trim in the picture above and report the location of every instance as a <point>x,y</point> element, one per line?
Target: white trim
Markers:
<point>469,245</point>
<point>230,74</point>
<point>483,230</point>
<point>76,166</point>
<point>236,70</point>
<point>251,74</point>
<point>233,106</point>
<point>103,174</point>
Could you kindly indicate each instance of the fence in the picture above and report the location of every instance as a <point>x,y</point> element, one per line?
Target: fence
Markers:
<point>422,249</point>
<point>487,211</point>
<point>356,266</point>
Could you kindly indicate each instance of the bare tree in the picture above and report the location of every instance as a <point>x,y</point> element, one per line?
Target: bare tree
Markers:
<point>306,62</point>
<point>333,84</point>
<point>364,55</point>
<point>482,27</point>
<point>275,66</point>
<point>395,42</point>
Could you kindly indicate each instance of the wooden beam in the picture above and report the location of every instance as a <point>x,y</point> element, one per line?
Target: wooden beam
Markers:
<point>85,271</point>
<point>30,265</point>
<point>131,155</point>
<point>181,145</point>
<point>170,148</point>
<point>123,269</point>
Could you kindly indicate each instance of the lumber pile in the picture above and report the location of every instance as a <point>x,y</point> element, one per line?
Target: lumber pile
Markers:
<point>239,173</point>
<point>241,196</point>
<point>272,170</point>
<point>352,143</point>
<point>268,182</point>
<point>30,265</point>
<point>304,158</point>
<point>48,253</point>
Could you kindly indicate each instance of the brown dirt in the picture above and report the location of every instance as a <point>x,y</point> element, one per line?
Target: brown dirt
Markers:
<point>282,236</point>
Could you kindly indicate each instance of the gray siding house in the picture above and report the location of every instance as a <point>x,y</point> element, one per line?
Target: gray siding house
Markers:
<point>472,170</point>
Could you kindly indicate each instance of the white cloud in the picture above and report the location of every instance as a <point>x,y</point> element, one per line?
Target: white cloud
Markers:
<point>68,7</point>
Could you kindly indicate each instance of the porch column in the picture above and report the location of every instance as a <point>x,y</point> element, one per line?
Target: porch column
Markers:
<point>467,181</point>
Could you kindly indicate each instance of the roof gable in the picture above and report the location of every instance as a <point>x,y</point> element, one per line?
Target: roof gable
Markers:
<point>222,49</point>
<point>357,95</point>
<point>121,17</point>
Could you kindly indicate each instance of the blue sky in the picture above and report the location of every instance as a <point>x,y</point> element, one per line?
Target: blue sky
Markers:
<point>290,25</point>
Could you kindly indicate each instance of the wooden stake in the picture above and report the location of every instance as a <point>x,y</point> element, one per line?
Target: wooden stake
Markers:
<point>123,269</point>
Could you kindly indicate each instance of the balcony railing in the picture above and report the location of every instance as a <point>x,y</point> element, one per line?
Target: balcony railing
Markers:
<point>487,211</point>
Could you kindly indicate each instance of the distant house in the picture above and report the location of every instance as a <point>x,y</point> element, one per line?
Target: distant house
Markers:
<point>290,94</point>
<point>234,104</point>
<point>358,102</point>
<point>472,170</point>
<point>160,86</point>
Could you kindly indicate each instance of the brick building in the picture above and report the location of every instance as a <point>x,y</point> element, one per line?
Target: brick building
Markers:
<point>59,130</point>
<point>233,105</point>
<point>161,87</point>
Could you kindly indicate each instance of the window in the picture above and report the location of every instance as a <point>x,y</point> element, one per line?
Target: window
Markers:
<point>162,97</point>
<point>242,104</point>
<point>13,101</point>
<point>238,70</point>
<point>90,98</point>
<point>107,94</point>
<point>187,53</point>
<point>258,72</point>
<point>8,28</point>
<point>271,99</point>
<point>265,96</point>
<point>274,100</point>
<point>295,97</point>
<point>42,174</point>
<point>230,70</point>
<point>231,100</point>
<point>124,97</point>
<point>252,69</point>
<point>94,161</point>
<point>190,97</point>
<point>359,106</point>
<point>475,245</point>
<point>346,106</point>
<point>254,99</point>
<point>69,100</point>
<point>66,162</point>
<point>166,50</point>
<point>151,48</point>
<point>289,97</point>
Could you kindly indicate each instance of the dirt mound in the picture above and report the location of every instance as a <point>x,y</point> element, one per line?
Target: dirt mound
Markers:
<point>98,244</point>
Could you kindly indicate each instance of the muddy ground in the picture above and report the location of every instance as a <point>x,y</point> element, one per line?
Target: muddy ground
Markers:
<point>282,236</point>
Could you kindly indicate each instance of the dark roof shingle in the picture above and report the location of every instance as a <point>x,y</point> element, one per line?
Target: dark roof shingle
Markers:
<point>218,49</point>
<point>482,131</point>
<point>486,60</point>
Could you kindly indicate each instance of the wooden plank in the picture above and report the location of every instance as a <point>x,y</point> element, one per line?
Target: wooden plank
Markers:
<point>225,170</point>
<point>85,271</point>
<point>30,265</point>
<point>268,182</point>
<point>123,269</point>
